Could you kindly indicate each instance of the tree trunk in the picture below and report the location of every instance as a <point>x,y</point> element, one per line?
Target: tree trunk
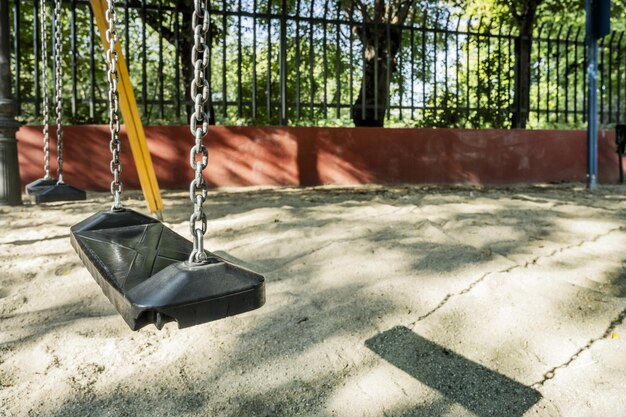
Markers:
<point>374,91</point>
<point>523,45</point>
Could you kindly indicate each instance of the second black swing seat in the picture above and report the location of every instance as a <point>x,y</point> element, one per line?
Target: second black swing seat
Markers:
<point>50,191</point>
<point>141,266</point>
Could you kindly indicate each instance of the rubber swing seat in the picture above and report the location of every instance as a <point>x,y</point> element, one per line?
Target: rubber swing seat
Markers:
<point>50,191</point>
<point>141,266</point>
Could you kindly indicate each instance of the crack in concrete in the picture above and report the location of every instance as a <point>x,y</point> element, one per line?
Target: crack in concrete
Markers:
<point>532,261</point>
<point>607,332</point>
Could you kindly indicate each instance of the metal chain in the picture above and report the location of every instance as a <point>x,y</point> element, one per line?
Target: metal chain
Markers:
<point>114,119</point>
<point>46,110</point>
<point>199,123</point>
<point>58,43</point>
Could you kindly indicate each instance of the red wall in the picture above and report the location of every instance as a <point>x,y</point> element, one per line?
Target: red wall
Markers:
<point>311,155</point>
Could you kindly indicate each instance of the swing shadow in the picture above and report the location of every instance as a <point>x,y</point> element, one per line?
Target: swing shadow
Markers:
<point>480,390</point>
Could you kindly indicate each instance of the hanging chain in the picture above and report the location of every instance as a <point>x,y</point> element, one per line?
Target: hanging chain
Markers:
<point>44,58</point>
<point>58,58</point>
<point>114,118</point>
<point>199,123</point>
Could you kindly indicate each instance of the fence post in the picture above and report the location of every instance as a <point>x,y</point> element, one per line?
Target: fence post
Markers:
<point>597,24</point>
<point>10,193</point>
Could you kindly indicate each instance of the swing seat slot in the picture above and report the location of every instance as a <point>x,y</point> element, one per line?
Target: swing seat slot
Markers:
<point>50,191</point>
<point>141,266</point>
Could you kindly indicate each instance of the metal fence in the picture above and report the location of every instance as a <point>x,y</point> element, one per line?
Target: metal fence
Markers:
<point>302,63</point>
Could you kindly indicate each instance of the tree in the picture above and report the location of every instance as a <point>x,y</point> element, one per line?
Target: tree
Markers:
<point>154,19</point>
<point>381,19</point>
<point>524,14</point>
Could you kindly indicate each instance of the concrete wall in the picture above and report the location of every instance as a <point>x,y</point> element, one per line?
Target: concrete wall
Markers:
<point>309,156</point>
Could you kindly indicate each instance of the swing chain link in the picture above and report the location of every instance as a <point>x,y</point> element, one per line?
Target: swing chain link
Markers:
<point>58,66</point>
<point>114,119</point>
<point>46,110</point>
<point>199,124</point>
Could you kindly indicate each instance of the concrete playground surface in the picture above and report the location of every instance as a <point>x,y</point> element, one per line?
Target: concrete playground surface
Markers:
<point>381,301</point>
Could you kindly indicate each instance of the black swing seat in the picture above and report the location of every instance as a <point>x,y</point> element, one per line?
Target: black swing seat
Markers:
<point>50,190</point>
<point>141,266</point>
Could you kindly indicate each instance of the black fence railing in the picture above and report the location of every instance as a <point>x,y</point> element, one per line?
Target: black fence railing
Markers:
<point>318,62</point>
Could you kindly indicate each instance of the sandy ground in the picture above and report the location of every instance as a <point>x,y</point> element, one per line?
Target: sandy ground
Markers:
<point>402,301</point>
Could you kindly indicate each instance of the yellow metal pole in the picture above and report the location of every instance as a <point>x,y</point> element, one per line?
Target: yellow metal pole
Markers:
<point>134,128</point>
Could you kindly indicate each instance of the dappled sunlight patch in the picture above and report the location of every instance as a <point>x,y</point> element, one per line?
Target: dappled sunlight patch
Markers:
<point>585,227</point>
<point>377,389</point>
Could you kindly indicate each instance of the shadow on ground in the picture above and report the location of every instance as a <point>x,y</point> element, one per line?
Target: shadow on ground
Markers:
<point>480,390</point>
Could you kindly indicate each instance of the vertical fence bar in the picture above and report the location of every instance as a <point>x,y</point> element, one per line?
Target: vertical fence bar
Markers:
<point>18,56</point>
<point>388,67</point>
<point>413,63</point>
<point>160,72</point>
<point>478,86</point>
<point>576,70</point>
<point>92,67</point>
<point>623,49</point>
<point>467,72</point>
<point>434,96</point>
<point>376,69</point>
<point>424,77</point>
<point>609,74</point>
<point>499,118</point>
<point>311,60</point>
<point>224,47</point>
<point>363,57</point>
<point>325,60</point>
<point>538,42</point>
<point>457,65</point>
<point>585,88</point>
<point>144,58</point>
<point>445,65</point>
<point>510,68</point>
<point>283,64</point>
<point>36,54</point>
<point>211,41</point>
<point>127,54</point>
<point>549,55</point>
<point>73,53</point>
<point>610,78</point>
<point>239,64</point>
<point>400,72</point>
<point>488,83</point>
<point>254,87</point>
<point>298,63</point>
<point>566,73</point>
<point>338,61</point>
<point>601,80</point>
<point>351,45</point>
<point>268,85</point>
<point>178,63</point>
<point>619,79</point>
<point>558,73</point>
